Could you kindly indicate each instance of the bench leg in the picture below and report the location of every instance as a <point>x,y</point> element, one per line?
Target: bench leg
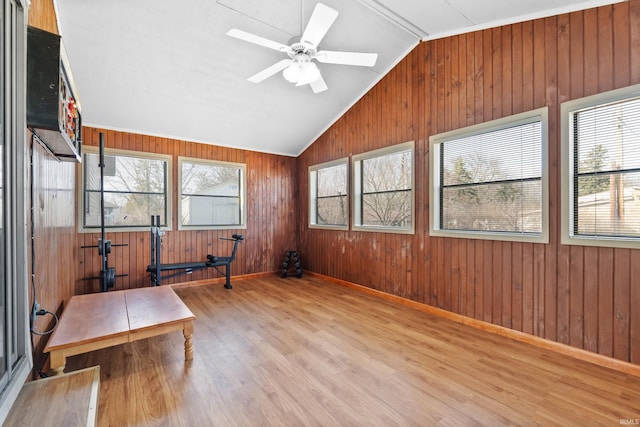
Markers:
<point>188,344</point>
<point>228,276</point>
<point>57,360</point>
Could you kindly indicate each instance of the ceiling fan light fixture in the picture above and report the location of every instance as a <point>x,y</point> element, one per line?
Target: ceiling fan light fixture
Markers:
<point>301,73</point>
<point>309,72</point>
<point>292,73</point>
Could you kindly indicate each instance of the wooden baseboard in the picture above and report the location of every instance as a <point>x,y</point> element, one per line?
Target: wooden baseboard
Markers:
<point>219,280</point>
<point>578,353</point>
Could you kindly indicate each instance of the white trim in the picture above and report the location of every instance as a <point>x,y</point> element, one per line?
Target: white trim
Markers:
<point>243,194</point>
<point>392,17</point>
<point>566,169</point>
<point>588,4</point>
<point>541,115</point>
<point>356,164</point>
<point>312,172</point>
<point>123,153</point>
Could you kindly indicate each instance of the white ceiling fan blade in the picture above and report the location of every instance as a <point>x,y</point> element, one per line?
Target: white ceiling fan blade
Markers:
<point>261,41</point>
<point>268,72</point>
<point>347,58</point>
<point>320,22</point>
<point>318,85</point>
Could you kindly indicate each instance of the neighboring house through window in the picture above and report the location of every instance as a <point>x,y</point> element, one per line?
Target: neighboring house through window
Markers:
<point>212,194</point>
<point>601,169</point>
<point>135,188</point>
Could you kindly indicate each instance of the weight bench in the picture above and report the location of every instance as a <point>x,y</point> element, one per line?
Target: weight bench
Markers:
<point>156,268</point>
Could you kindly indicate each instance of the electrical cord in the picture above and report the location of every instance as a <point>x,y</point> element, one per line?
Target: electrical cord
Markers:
<point>55,325</point>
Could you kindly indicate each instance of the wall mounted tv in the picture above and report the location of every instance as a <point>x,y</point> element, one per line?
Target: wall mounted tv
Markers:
<point>53,107</point>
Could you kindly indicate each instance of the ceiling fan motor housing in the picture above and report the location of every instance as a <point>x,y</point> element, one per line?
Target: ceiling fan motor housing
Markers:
<point>301,48</point>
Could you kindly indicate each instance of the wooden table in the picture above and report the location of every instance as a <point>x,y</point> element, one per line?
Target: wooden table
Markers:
<point>95,321</point>
<point>64,400</point>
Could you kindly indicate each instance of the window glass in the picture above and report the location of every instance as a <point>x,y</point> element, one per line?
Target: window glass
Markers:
<point>328,195</point>
<point>135,188</point>
<point>211,193</point>
<point>489,179</point>
<point>383,183</point>
<point>605,143</point>
<point>14,320</point>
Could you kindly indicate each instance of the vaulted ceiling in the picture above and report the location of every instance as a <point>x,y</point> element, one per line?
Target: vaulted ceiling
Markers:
<point>167,68</point>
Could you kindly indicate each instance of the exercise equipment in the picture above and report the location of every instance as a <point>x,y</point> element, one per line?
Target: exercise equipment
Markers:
<point>156,268</point>
<point>107,274</point>
<point>291,256</point>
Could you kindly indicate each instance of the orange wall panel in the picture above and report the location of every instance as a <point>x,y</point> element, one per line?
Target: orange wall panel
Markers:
<point>585,297</point>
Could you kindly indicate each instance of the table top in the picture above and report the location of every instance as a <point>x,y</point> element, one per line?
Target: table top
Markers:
<point>155,306</point>
<point>89,318</point>
<point>95,317</point>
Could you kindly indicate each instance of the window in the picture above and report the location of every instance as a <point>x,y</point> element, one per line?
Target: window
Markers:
<point>601,169</point>
<point>383,190</point>
<point>15,362</point>
<point>489,181</point>
<point>328,195</point>
<point>212,194</point>
<point>135,188</point>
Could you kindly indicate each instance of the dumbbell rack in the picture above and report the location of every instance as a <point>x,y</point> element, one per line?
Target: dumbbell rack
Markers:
<point>291,256</point>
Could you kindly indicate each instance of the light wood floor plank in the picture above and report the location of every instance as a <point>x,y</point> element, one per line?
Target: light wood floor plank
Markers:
<point>308,352</point>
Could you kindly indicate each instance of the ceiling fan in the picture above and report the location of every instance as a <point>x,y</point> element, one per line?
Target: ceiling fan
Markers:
<point>299,68</point>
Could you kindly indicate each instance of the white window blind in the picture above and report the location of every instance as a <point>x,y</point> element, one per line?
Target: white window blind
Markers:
<point>606,170</point>
<point>492,181</point>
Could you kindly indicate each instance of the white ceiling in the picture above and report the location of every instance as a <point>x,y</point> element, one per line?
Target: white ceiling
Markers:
<point>166,67</point>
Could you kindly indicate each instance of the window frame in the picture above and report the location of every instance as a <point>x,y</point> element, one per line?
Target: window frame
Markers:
<point>242,196</point>
<point>356,198</point>
<point>313,191</point>
<point>567,111</point>
<point>18,361</point>
<point>541,115</point>
<point>124,153</point>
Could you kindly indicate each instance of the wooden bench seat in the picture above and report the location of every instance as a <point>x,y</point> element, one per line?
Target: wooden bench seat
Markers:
<point>64,400</point>
<point>95,321</point>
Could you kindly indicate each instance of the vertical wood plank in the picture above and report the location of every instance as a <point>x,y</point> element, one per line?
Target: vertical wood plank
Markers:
<point>621,307</point>
<point>634,304</point>
<point>605,301</point>
<point>576,298</point>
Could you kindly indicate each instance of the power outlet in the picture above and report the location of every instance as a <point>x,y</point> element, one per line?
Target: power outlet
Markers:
<point>34,312</point>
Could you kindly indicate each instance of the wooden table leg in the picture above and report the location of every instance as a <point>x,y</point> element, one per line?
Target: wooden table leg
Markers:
<point>188,344</point>
<point>57,361</point>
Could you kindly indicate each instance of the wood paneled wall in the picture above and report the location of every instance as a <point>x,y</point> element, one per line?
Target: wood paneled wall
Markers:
<point>42,15</point>
<point>53,192</point>
<point>270,228</point>
<point>586,297</point>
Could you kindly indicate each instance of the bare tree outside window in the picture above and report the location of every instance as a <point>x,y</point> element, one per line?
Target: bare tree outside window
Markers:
<point>134,189</point>
<point>387,190</point>
<point>332,206</point>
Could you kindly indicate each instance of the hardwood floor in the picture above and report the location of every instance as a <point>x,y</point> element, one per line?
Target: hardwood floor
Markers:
<point>308,352</point>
